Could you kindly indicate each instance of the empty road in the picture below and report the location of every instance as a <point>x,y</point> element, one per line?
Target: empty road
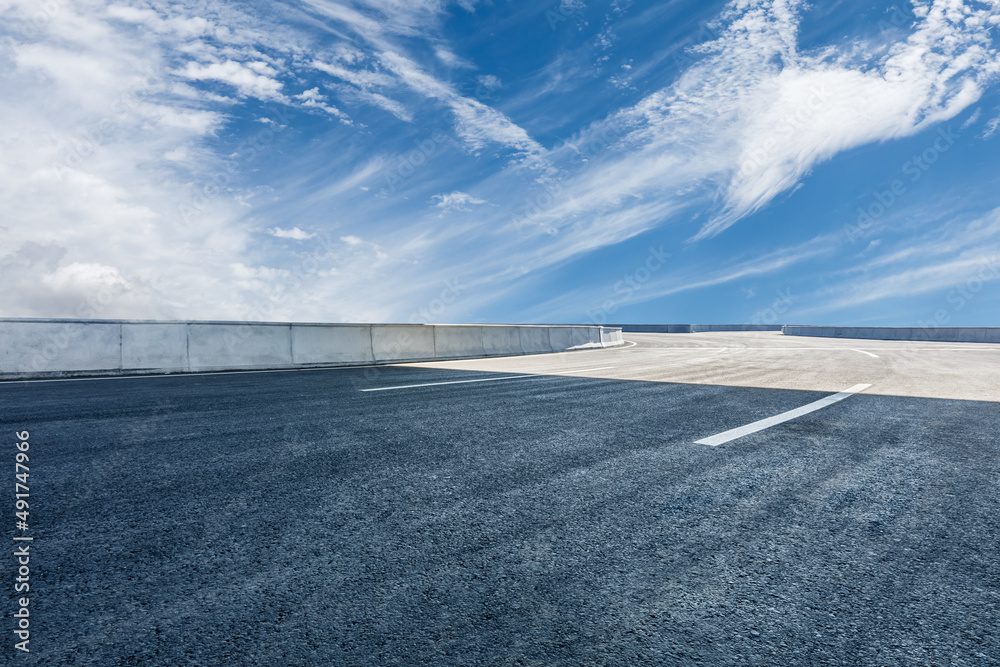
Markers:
<point>690,499</point>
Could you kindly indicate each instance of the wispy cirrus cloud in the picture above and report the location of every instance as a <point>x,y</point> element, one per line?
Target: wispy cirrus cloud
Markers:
<point>388,69</point>
<point>476,123</point>
<point>669,281</point>
<point>950,254</point>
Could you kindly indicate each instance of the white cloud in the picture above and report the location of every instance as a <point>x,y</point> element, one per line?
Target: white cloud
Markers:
<point>992,126</point>
<point>791,118</point>
<point>361,78</point>
<point>255,79</point>
<point>84,275</point>
<point>448,57</point>
<point>312,98</point>
<point>456,201</point>
<point>489,81</point>
<point>972,120</point>
<point>102,151</point>
<point>870,247</point>
<point>181,26</point>
<point>107,133</point>
<point>755,115</point>
<point>294,233</point>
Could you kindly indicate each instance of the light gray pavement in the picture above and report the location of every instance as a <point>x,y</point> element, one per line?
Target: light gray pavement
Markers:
<point>964,371</point>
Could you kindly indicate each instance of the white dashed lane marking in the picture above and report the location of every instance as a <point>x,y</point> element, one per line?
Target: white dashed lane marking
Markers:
<point>438,384</point>
<point>733,434</point>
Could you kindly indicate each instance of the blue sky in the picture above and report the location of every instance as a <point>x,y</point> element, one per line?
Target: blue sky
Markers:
<point>472,161</point>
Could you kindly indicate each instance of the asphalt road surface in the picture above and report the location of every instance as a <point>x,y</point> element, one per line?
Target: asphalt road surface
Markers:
<point>546,510</point>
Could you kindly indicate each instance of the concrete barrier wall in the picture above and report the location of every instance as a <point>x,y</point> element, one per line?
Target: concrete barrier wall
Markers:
<point>611,337</point>
<point>402,343</point>
<point>586,339</point>
<point>536,339</point>
<point>652,328</point>
<point>501,341</point>
<point>580,337</point>
<point>943,334</point>
<point>694,328</point>
<point>953,334</point>
<point>458,341</point>
<point>154,346</point>
<point>54,346</point>
<point>320,345</point>
<point>51,348</point>
<point>561,337</point>
<point>221,346</point>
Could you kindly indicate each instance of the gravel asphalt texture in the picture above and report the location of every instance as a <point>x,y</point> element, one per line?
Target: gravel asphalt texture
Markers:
<point>290,518</point>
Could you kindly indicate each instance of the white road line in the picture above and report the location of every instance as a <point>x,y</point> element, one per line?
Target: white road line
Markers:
<point>764,349</point>
<point>733,434</point>
<point>437,384</point>
<point>875,356</point>
<point>507,377</point>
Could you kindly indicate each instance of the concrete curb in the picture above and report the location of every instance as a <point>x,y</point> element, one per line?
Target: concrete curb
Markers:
<point>693,328</point>
<point>937,334</point>
<point>37,348</point>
